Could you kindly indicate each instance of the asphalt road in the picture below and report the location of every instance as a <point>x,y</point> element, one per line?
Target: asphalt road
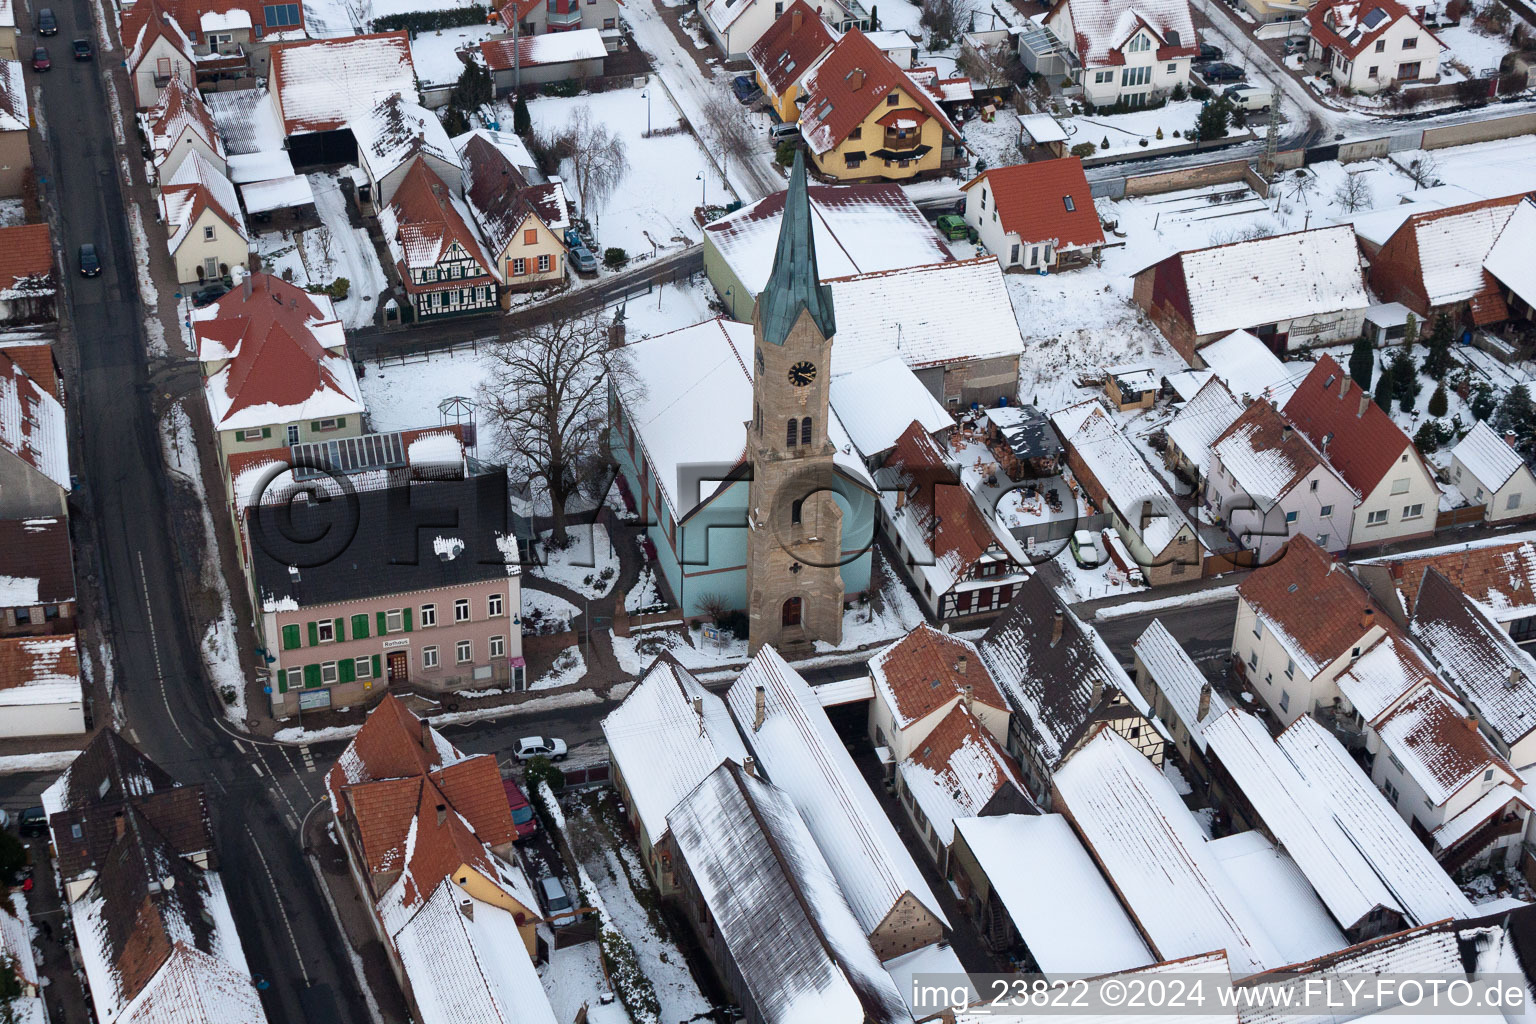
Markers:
<point>1205,630</point>
<point>168,707</point>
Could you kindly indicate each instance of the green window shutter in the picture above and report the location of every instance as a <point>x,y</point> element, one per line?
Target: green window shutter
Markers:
<point>291,639</point>
<point>282,681</point>
<point>407,619</point>
<point>266,431</point>
<point>341,629</point>
<point>359,627</point>
<point>314,425</point>
<point>383,624</point>
<point>314,633</point>
<point>311,676</point>
<point>341,421</point>
<point>346,672</point>
<point>376,673</point>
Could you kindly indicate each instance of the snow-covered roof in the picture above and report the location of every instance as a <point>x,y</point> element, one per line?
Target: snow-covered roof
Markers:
<point>1101,27</point>
<point>1416,881</point>
<point>1451,245</point>
<point>858,229</point>
<point>668,710</point>
<point>938,958</point>
<point>323,84</point>
<point>1388,670</point>
<point>425,223</point>
<point>1266,280</point>
<point>802,755</point>
<point>1073,924</point>
<point>1149,844</point>
<point>1488,457</point>
<point>797,947</point>
<point>181,109</point>
<point>1509,257</point>
<point>193,986</point>
<point>1499,573</point>
<point>39,670</point>
<point>1202,420</point>
<point>223,21</point>
<point>550,48</point>
<point>262,166</point>
<point>1436,745</point>
<point>1128,483</point>
<point>957,770</point>
<point>466,961</point>
<point>1277,891</point>
<point>196,186</point>
<point>1297,818</point>
<point>277,194</point>
<point>1377,225</point>
<point>32,426</point>
<point>928,315</point>
<point>1177,677</point>
<point>891,40</point>
<point>397,128</point>
<point>1043,128</point>
<point>1266,456</point>
<point>879,401</point>
<point>853,81</point>
<point>1250,368</point>
<point>248,120</point>
<point>695,406</point>
<point>14,116</point>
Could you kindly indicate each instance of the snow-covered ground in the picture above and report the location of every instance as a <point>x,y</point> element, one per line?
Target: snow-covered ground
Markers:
<point>573,980</point>
<point>644,595</point>
<point>1126,132</point>
<point>589,566</point>
<point>366,10</point>
<point>541,605</point>
<point>568,667</point>
<point>1471,47</point>
<point>435,54</point>
<point>12,213</point>
<point>337,249</point>
<point>401,396</point>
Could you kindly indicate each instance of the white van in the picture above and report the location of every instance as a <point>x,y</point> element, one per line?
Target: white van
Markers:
<point>1249,97</point>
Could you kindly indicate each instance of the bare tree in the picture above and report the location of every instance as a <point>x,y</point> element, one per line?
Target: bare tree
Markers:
<point>1423,171</point>
<point>598,158</point>
<point>990,65</point>
<point>1302,186</point>
<point>730,125</point>
<point>943,20</point>
<point>1353,193</point>
<point>547,392</point>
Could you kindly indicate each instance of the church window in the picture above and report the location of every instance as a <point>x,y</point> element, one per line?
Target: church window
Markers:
<point>789,433</point>
<point>797,511</point>
<point>805,430</point>
<point>790,615</point>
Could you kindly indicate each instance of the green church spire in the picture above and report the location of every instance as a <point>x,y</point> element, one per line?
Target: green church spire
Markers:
<point>795,283</point>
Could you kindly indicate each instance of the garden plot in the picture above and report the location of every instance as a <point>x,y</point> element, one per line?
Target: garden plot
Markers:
<point>1472,48</point>
<point>322,255</point>
<point>436,54</point>
<point>568,667</point>
<point>1137,131</point>
<point>588,565</point>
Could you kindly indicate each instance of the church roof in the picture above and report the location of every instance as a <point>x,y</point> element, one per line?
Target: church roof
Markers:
<point>795,283</point>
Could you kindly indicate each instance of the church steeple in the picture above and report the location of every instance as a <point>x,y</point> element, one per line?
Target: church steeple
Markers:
<point>795,283</point>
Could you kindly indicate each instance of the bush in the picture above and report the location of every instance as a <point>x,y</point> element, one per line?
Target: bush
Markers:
<point>1105,143</point>
<point>1199,92</point>
<point>630,984</point>
<point>614,257</point>
<point>565,89</point>
<point>1178,92</point>
<point>1431,435</point>
<point>417,22</point>
<point>337,289</point>
<point>737,622</point>
<point>542,769</point>
<point>785,154</point>
<point>1438,402</point>
<point>1083,149</point>
<point>521,120</point>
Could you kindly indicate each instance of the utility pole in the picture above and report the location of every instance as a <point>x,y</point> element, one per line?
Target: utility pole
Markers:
<point>1272,135</point>
<point>517,58</point>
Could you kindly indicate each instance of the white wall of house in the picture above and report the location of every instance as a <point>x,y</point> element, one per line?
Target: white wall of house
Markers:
<point>742,34</point>
<point>1009,247</point>
<point>224,247</point>
<point>1405,52</point>
<point>162,59</point>
<point>1516,497</point>
<point>1389,776</point>
<point>1140,79</point>
<point>1275,673</point>
<point>55,719</point>
<point>187,142</point>
<point>1404,504</point>
<point>1319,505</point>
<point>901,742</point>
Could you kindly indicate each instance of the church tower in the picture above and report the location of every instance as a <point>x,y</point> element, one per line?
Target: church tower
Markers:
<point>795,525</point>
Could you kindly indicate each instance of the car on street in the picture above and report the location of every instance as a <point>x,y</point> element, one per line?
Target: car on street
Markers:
<point>40,61</point>
<point>90,263</point>
<point>787,131</point>
<point>209,293</point>
<point>583,260</point>
<point>540,746</point>
<point>47,24</point>
<point>1222,73</point>
<point>1209,54</point>
<point>1249,97</point>
<point>82,49</point>
<point>33,822</point>
<point>1085,549</point>
<point>556,900</point>
<point>745,89</point>
<point>523,818</point>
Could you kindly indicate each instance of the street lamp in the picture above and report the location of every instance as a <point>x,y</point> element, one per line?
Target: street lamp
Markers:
<point>646,95</point>
<point>702,186</point>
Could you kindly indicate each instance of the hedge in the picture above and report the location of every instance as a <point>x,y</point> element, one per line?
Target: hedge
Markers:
<point>430,21</point>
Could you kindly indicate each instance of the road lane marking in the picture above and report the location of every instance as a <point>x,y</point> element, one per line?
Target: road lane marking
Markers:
<point>154,647</point>
<point>238,746</point>
<point>256,768</point>
<point>277,894</point>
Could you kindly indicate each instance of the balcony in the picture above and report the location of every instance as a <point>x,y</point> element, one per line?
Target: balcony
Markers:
<point>896,140</point>
<point>560,21</point>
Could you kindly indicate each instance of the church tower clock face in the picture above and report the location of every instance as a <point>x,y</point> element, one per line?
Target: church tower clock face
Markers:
<point>802,373</point>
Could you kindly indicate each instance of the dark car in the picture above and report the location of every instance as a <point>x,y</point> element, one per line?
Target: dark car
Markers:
<point>33,822</point>
<point>209,293</point>
<point>90,265</point>
<point>1209,54</point>
<point>47,24</point>
<point>1223,73</point>
<point>40,61</point>
<point>523,818</point>
<point>82,49</point>
<point>745,89</point>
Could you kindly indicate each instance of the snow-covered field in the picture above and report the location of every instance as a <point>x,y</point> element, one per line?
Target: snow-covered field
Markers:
<point>1471,48</point>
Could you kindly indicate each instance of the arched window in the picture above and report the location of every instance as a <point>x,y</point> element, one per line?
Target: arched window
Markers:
<point>796,511</point>
<point>789,432</point>
<point>790,615</point>
<point>805,430</point>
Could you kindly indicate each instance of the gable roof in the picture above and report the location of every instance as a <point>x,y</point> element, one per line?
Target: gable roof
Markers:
<point>1508,258</point>
<point>1138,495</point>
<point>668,710</point>
<point>397,129</point>
<point>1311,603</point>
<point>1174,673</point>
<point>322,84</point>
<point>956,772</point>
<point>1488,457</point>
<point>1102,27</point>
<point>156,26</point>
<point>925,670</point>
<point>194,986</point>
<point>1349,26</point>
<point>189,15</point>
<point>392,744</point>
<point>424,221</point>
<point>531,51</point>
<point>845,87</point>
<point>26,262</point>
<point>39,564</point>
<point>1357,438</point>
<point>1045,201</point>
<point>1498,573</point>
<point>39,670</point>
<point>801,754</point>
<point>181,109</point>
<point>1440,748</point>
<point>1441,252</point>
<point>197,186</point>
<point>1386,672</point>
<point>1266,455</point>
<point>285,353</point>
<point>1204,418</point>
<point>877,403</point>
<point>1250,368</point>
<point>15,115</point>
<point>32,426</point>
<point>500,197</point>
<point>794,42</point>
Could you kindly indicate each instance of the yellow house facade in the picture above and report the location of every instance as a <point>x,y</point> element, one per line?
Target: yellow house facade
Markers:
<point>785,55</point>
<point>531,256</point>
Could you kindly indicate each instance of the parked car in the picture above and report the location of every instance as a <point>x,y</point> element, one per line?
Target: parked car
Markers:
<point>90,264</point>
<point>556,899</point>
<point>786,131</point>
<point>540,746</point>
<point>1085,549</point>
<point>47,24</point>
<point>40,61</point>
<point>583,260</point>
<point>745,89</point>
<point>1209,54</point>
<point>1248,97</point>
<point>1222,73</point>
<point>82,49</point>
<point>523,818</point>
<point>209,293</point>
<point>952,226</point>
<point>33,822</point>
<point>5,818</point>
<point>1296,44</point>
<point>572,239</point>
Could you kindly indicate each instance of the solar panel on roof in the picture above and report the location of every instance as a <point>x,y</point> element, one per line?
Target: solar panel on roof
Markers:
<point>347,455</point>
<point>1375,18</point>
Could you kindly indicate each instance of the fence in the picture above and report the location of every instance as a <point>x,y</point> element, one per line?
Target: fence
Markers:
<point>1186,177</point>
<point>1460,518</point>
<point>1059,530</point>
<point>597,774</point>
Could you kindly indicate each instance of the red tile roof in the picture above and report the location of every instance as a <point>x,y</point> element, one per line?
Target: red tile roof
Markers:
<point>383,811</point>
<point>1045,201</point>
<point>151,24</point>
<point>1262,428</point>
<point>425,222</point>
<point>922,673</point>
<point>189,14</point>
<point>935,492</point>
<point>26,659</point>
<point>1346,15</point>
<point>1313,600</point>
<point>1363,444</point>
<point>36,361</point>
<point>392,744</point>
<point>322,84</point>
<point>1501,576</point>
<point>1102,27</point>
<point>26,258</point>
<point>180,108</point>
<point>790,46</point>
<point>853,78</point>
<point>39,549</point>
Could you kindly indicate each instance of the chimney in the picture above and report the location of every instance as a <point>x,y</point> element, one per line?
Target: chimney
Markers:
<point>1285,433</point>
<point>855,79</point>
<point>965,695</point>
<point>1509,438</point>
<point>426,735</point>
<point>467,908</point>
<point>750,766</point>
<point>1097,694</point>
<point>1343,389</point>
<point>761,704</point>
<point>442,814</point>
<point>698,711</point>
<point>960,666</point>
<point>1365,403</point>
<point>1471,722</point>
<point>1368,619</point>
<point>1205,703</point>
<point>1057,623</point>
<point>794,19</point>
<point>1513,682</point>
<point>119,824</point>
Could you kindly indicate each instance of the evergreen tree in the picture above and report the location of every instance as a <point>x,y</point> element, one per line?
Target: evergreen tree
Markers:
<point>1429,437</point>
<point>1483,404</point>
<point>1405,380</point>
<point>1438,402</point>
<point>1215,115</point>
<point>1383,393</point>
<point>1362,363</point>
<point>1438,360</point>
<point>522,122</point>
<point>1410,331</point>
<point>454,121</point>
<point>1517,412</point>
